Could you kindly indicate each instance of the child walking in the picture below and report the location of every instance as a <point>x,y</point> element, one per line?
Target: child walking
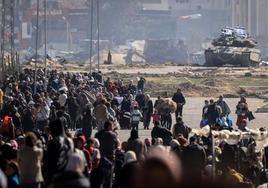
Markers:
<point>135,118</point>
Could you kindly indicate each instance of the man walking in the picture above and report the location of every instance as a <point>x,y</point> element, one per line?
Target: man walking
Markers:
<point>213,113</point>
<point>180,100</point>
<point>181,129</point>
<point>225,110</point>
<point>108,145</point>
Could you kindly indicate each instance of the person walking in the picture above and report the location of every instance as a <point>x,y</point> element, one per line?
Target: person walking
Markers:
<point>225,110</point>
<point>30,170</point>
<point>101,114</point>
<point>73,107</point>
<point>241,112</point>
<point>181,129</point>
<point>147,111</point>
<point>213,112</point>
<point>42,115</point>
<point>58,149</point>
<point>179,98</point>
<point>108,145</point>
<point>135,144</point>
<point>87,123</point>
<point>136,116</point>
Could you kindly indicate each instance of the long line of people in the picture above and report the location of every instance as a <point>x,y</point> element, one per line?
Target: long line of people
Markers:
<point>46,137</point>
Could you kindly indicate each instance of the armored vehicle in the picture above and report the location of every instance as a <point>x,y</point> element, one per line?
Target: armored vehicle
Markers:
<point>233,47</point>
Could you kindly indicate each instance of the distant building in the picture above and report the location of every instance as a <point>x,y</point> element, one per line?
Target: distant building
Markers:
<point>253,15</point>
<point>213,16</point>
<point>67,23</point>
<point>155,5</point>
<point>156,20</point>
<point>191,20</point>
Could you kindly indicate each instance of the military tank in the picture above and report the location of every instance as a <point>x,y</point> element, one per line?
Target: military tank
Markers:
<point>234,47</point>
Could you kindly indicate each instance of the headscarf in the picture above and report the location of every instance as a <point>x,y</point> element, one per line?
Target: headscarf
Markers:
<point>129,157</point>
<point>75,163</point>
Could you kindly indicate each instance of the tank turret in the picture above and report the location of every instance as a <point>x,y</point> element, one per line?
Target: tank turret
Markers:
<point>235,47</point>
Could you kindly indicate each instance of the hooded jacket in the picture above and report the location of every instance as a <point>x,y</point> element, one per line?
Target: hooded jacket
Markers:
<point>59,149</point>
<point>85,151</point>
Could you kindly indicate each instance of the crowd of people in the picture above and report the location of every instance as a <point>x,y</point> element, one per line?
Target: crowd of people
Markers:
<point>47,140</point>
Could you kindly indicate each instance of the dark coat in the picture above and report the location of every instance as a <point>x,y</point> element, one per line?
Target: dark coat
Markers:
<point>181,128</point>
<point>27,121</point>
<point>126,106</point>
<point>140,98</point>
<point>58,150</point>
<point>87,125</point>
<point>193,161</point>
<point>179,98</point>
<point>160,132</point>
<point>213,113</point>
<point>108,141</point>
<point>72,107</point>
<point>149,108</point>
<point>127,174</point>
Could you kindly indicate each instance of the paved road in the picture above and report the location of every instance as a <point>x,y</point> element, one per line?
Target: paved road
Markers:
<point>192,115</point>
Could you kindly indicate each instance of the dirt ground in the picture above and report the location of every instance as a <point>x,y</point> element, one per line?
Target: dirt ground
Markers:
<point>194,81</point>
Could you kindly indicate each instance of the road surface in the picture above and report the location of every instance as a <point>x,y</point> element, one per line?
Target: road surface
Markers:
<point>192,115</point>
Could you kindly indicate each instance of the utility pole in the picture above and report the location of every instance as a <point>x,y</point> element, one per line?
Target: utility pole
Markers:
<point>45,40</point>
<point>98,27</point>
<point>7,33</point>
<point>91,36</point>
<point>36,46</point>
<point>3,25</point>
<point>12,24</point>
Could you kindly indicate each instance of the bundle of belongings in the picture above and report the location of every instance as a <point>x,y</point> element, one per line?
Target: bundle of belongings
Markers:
<point>165,105</point>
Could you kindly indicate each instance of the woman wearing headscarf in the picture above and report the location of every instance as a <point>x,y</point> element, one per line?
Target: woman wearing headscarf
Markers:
<point>128,173</point>
<point>87,122</point>
<point>30,170</point>
<point>241,111</point>
<point>135,144</point>
<point>147,111</point>
<point>73,176</point>
<point>80,144</point>
<point>8,128</point>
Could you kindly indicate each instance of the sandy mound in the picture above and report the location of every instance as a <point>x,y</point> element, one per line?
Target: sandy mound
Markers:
<point>207,88</point>
<point>193,90</point>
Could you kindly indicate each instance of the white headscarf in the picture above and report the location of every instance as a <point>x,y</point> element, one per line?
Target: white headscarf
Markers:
<point>129,157</point>
<point>75,163</point>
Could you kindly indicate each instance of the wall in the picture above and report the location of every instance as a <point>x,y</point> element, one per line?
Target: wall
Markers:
<point>253,15</point>
<point>215,14</point>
